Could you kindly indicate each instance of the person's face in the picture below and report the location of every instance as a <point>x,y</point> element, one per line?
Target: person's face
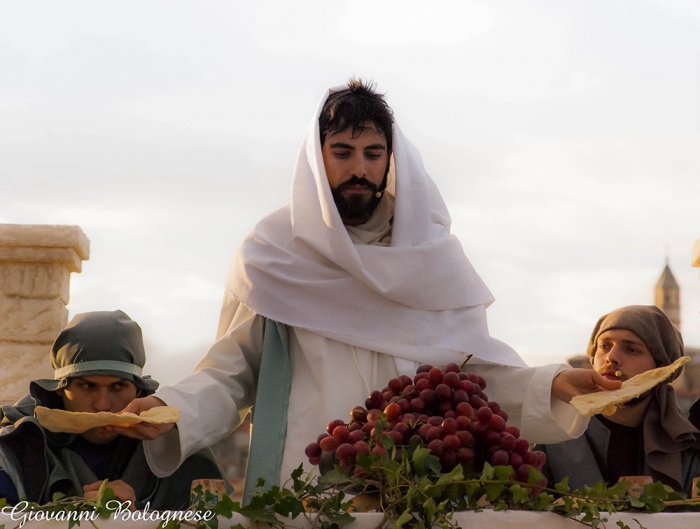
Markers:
<point>97,393</point>
<point>621,350</point>
<point>356,165</point>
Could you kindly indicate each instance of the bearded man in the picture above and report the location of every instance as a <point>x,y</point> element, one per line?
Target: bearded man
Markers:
<point>363,273</point>
<point>647,436</point>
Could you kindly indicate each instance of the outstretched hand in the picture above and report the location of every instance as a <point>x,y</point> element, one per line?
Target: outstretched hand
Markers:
<point>143,430</point>
<point>568,384</point>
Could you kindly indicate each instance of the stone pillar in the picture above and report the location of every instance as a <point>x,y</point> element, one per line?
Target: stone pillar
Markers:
<point>35,266</point>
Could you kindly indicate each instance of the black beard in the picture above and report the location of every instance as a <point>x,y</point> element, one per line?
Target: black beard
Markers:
<point>356,209</point>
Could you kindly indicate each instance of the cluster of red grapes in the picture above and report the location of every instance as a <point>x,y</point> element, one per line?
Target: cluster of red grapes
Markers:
<point>445,410</point>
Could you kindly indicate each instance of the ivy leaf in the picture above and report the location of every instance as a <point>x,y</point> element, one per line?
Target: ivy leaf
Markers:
<point>457,474</point>
<point>493,490</point>
<point>563,485</point>
<point>405,517</point>
<point>503,473</point>
<point>488,472</point>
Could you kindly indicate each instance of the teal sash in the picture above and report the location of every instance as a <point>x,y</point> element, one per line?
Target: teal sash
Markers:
<point>270,411</point>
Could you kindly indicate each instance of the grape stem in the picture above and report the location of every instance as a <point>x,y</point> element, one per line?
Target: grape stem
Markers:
<point>469,357</point>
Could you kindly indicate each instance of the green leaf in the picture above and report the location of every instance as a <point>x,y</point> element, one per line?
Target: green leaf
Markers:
<point>503,473</point>
<point>405,517</point>
<point>636,502</point>
<point>488,472</point>
<point>535,476</point>
<point>493,490</point>
<point>563,485</point>
<point>457,474</point>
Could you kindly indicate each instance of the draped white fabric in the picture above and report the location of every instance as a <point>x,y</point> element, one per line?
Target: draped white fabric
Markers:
<point>399,285</point>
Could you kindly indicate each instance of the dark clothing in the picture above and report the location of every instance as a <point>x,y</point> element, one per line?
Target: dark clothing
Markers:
<point>585,461</point>
<point>40,463</point>
<point>625,451</point>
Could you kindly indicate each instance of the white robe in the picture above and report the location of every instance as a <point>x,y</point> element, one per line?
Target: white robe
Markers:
<point>363,304</point>
<point>328,378</point>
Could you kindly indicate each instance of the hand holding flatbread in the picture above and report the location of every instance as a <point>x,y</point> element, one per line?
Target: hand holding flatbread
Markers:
<point>607,401</point>
<point>79,422</point>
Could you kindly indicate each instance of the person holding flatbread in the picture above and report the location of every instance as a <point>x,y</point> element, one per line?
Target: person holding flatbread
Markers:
<point>352,282</point>
<point>648,435</point>
<point>98,361</point>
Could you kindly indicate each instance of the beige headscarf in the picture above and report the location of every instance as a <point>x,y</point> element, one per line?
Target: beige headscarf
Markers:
<point>400,284</point>
<point>667,432</point>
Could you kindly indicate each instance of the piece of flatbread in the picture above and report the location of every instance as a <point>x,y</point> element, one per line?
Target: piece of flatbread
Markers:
<point>606,402</point>
<point>79,422</point>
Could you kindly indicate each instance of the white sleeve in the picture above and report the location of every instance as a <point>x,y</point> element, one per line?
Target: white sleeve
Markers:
<point>214,399</point>
<point>525,394</point>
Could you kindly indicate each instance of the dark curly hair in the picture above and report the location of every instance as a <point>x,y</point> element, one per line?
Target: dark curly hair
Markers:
<point>352,108</point>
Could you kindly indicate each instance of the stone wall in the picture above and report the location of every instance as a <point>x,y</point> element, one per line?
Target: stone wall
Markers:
<point>35,266</point>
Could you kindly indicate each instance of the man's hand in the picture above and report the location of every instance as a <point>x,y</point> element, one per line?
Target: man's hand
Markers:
<point>573,382</point>
<point>144,431</point>
<point>122,491</point>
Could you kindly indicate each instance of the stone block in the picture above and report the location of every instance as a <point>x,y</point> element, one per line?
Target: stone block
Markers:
<point>24,254</point>
<point>34,281</point>
<point>46,236</point>
<point>20,364</point>
<point>31,320</point>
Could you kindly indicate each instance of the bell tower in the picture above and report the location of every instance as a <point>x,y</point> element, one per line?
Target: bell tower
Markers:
<point>667,296</point>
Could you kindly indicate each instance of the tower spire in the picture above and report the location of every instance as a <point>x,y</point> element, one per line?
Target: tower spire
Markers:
<point>667,295</point>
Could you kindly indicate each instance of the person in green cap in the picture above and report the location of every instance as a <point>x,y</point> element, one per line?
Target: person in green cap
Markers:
<point>98,361</point>
<point>647,436</point>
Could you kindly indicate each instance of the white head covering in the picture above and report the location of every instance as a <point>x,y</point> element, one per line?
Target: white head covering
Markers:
<point>418,298</point>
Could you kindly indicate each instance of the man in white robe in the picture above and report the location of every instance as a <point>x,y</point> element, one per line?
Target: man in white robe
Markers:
<point>368,294</point>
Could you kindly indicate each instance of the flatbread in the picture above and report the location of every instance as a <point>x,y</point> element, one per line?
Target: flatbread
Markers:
<point>606,402</point>
<point>79,422</point>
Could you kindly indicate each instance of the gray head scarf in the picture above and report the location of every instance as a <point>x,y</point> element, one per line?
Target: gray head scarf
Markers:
<point>666,430</point>
<point>99,343</point>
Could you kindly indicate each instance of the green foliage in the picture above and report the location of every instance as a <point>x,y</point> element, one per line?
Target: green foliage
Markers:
<point>412,492</point>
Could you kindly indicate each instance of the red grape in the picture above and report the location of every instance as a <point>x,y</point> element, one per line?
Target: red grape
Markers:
<point>332,425</point>
<point>359,414</point>
<point>449,427</point>
<point>345,451</point>
<point>500,458</point>
<point>376,399</point>
<point>313,450</point>
<point>355,436</point>
<point>452,442</point>
<point>417,405</point>
<point>329,444</point>
<point>341,434</point>
<point>361,448</point>
<point>465,409</point>
<point>396,386</point>
<point>467,386</point>
<point>451,380</point>
<point>515,460</point>
<point>513,430</point>
<point>436,447</point>
<point>521,446</point>
<point>497,424</point>
<point>452,368</point>
<point>393,411</point>
<point>507,441</point>
<point>465,455</point>
<point>465,438</point>
<point>436,375</point>
<point>484,414</point>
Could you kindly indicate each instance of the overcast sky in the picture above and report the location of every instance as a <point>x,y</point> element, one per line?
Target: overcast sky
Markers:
<point>564,137</point>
